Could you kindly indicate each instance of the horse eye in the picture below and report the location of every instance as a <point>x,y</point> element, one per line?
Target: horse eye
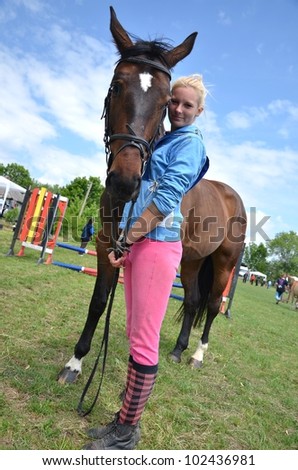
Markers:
<point>116,88</point>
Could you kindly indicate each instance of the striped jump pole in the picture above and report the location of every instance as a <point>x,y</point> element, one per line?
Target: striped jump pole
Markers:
<point>93,272</point>
<point>83,269</point>
<point>74,267</point>
<point>39,222</point>
<point>76,248</point>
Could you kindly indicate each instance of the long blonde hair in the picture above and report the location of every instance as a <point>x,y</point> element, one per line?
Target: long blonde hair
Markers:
<point>196,82</point>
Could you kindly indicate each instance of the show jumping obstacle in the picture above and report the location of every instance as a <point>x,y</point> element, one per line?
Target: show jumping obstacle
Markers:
<point>74,267</point>
<point>39,222</point>
<point>93,272</point>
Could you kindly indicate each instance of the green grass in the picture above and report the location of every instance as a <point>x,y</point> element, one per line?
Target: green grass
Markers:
<point>245,397</point>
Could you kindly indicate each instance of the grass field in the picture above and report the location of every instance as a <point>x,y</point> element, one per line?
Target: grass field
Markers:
<point>245,396</point>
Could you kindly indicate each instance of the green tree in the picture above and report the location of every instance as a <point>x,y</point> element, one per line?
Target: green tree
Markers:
<point>76,191</point>
<point>283,251</point>
<point>17,173</point>
<point>11,215</point>
<point>255,257</point>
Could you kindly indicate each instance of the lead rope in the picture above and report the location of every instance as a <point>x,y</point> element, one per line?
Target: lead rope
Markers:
<point>105,339</point>
<point>104,347</point>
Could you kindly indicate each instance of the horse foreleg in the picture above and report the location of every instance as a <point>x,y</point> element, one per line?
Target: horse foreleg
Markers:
<point>73,368</point>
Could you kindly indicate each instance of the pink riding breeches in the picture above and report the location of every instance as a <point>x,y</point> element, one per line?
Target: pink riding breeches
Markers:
<point>149,271</point>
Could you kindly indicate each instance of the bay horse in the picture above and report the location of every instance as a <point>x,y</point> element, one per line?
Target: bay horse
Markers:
<point>214,216</point>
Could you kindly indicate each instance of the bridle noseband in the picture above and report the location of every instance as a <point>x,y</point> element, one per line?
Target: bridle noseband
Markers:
<point>131,139</point>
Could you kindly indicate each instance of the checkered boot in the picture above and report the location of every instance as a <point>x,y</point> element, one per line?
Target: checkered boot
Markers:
<point>124,432</point>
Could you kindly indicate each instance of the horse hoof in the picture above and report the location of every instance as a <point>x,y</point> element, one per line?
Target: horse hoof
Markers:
<point>195,364</point>
<point>67,376</point>
<point>174,358</point>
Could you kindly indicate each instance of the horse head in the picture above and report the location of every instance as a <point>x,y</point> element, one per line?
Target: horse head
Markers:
<point>135,106</point>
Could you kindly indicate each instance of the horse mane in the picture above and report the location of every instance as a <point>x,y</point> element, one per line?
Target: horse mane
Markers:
<point>153,50</point>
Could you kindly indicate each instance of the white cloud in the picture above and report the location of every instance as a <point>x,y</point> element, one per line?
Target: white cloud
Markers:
<point>41,99</point>
<point>260,48</point>
<point>283,132</point>
<point>58,166</point>
<point>278,107</point>
<point>223,18</point>
<point>246,118</point>
<point>32,5</point>
<point>238,120</point>
<point>8,8</point>
<point>22,124</point>
<point>284,126</point>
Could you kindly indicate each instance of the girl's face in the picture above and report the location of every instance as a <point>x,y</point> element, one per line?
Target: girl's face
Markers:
<point>183,107</point>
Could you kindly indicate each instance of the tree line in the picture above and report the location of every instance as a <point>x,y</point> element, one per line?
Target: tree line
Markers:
<point>277,256</point>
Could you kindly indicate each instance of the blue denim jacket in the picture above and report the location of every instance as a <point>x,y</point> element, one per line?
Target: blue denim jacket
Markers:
<point>178,162</point>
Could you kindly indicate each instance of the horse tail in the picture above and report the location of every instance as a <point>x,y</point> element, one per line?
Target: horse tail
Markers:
<point>205,282</point>
<point>198,310</point>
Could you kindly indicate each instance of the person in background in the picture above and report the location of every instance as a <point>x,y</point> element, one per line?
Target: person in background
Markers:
<point>87,234</point>
<point>281,285</point>
<point>150,255</point>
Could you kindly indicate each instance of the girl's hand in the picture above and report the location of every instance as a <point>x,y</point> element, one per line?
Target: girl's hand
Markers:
<point>119,262</point>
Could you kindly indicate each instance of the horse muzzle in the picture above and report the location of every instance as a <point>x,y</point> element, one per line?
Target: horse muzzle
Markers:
<point>122,188</point>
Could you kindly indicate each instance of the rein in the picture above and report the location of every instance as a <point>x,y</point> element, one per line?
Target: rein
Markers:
<point>104,348</point>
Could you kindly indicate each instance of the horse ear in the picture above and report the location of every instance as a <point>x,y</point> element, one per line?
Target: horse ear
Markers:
<point>180,52</point>
<point>119,34</point>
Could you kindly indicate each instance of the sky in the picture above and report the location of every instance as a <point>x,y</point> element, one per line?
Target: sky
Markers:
<point>57,60</point>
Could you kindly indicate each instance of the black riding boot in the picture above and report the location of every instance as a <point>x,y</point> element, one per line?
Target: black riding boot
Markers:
<point>114,436</point>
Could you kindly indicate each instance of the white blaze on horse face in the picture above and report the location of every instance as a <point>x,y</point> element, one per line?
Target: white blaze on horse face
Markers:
<point>145,81</point>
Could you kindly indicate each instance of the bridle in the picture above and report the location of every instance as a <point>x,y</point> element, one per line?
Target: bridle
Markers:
<point>131,139</point>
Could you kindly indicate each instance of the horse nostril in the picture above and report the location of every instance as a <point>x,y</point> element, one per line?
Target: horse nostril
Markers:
<point>123,188</point>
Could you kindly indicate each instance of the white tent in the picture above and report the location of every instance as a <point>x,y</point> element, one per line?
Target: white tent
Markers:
<point>10,191</point>
<point>257,273</point>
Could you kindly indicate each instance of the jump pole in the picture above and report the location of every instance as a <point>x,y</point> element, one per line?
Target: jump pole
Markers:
<point>36,220</point>
<point>27,219</point>
<point>36,216</point>
<point>93,272</point>
<point>19,222</point>
<point>74,267</point>
<point>76,248</point>
<point>52,211</point>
